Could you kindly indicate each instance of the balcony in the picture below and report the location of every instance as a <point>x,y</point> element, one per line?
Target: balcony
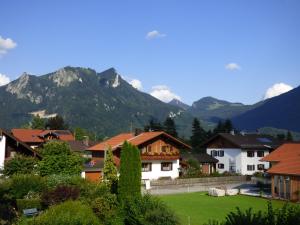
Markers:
<point>167,155</point>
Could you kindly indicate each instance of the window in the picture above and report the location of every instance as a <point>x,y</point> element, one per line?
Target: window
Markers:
<point>148,149</point>
<point>146,167</point>
<point>260,154</point>
<point>214,153</point>
<point>250,167</point>
<point>250,154</point>
<point>221,153</point>
<point>164,148</point>
<point>220,166</point>
<point>260,166</point>
<point>166,166</point>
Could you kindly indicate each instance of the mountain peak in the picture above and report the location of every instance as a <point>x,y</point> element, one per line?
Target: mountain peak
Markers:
<point>179,103</point>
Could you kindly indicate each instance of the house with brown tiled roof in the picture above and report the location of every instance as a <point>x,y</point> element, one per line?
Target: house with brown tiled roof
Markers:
<point>285,171</point>
<point>160,154</point>
<point>36,137</point>
<point>10,145</point>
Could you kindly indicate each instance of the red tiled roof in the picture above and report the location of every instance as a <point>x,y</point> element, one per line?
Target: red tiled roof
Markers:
<point>118,140</point>
<point>287,158</point>
<point>36,135</point>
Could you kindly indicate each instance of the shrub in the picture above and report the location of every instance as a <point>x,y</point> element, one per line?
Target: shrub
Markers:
<point>89,191</point>
<point>19,164</point>
<point>67,213</point>
<point>60,194</point>
<point>22,184</point>
<point>105,207</point>
<point>28,204</point>
<point>55,180</point>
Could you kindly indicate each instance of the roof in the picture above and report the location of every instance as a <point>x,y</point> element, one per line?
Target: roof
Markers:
<point>98,164</point>
<point>117,141</point>
<point>205,158</point>
<point>248,141</point>
<point>38,135</point>
<point>81,145</point>
<point>287,158</point>
<point>19,143</point>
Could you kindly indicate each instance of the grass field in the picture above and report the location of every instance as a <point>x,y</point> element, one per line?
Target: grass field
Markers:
<point>199,208</point>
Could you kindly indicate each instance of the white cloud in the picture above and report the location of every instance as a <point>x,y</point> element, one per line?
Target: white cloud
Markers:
<point>232,66</point>
<point>163,93</point>
<point>136,84</point>
<point>277,89</point>
<point>154,34</point>
<point>6,44</point>
<point>4,79</point>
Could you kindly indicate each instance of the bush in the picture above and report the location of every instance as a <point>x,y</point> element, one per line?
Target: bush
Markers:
<point>105,207</point>
<point>22,184</point>
<point>67,213</point>
<point>7,212</point>
<point>60,194</point>
<point>19,164</point>
<point>55,180</point>
<point>28,204</point>
<point>89,191</point>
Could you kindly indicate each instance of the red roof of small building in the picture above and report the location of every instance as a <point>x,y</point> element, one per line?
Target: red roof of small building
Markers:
<point>287,158</point>
<point>37,135</point>
<point>137,140</point>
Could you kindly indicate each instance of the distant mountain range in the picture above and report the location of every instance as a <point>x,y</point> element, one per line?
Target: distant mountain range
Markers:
<point>107,104</point>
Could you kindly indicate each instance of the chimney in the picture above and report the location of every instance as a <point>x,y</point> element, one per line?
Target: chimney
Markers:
<point>86,141</point>
<point>137,131</point>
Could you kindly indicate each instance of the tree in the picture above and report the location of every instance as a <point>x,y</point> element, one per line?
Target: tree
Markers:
<point>19,164</point>
<point>170,127</point>
<point>198,134</point>
<point>153,125</point>
<point>289,136</point>
<point>224,127</point>
<point>110,173</point>
<point>58,159</point>
<point>129,185</point>
<point>281,137</point>
<point>37,122</point>
<point>56,123</point>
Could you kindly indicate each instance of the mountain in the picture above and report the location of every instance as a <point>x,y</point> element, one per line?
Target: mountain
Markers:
<point>282,112</point>
<point>100,102</point>
<point>213,110</point>
<point>179,103</point>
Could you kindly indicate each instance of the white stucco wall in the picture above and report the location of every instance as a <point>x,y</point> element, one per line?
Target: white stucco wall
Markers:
<point>239,157</point>
<point>230,154</point>
<point>2,151</point>
<point>252,161</point>
<point>156,172</point>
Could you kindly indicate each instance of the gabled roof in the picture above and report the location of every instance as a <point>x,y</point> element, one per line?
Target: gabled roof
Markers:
<point>142,138</point>
<point>247,141</point>
<point>80,146</point>
<point>287,158</point>
<point>38,136</point>
<point>19,144</point>
<point>205,158</point>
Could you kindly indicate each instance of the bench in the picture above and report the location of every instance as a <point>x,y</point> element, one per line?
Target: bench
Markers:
<point>30,212</point>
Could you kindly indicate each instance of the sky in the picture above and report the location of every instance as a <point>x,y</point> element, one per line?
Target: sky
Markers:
<point>239,51</point>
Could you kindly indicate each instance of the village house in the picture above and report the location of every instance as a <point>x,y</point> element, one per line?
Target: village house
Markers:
<point>285,171</point>
<point>10,145</point>
<point>160,154</point>
<point>36,137</point>
<point>240,153</point>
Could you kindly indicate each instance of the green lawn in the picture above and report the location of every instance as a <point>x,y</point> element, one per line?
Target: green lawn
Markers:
<point>201,208</point>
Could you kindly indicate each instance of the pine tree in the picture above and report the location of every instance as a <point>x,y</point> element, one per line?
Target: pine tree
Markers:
<point>227,126</point>
<point>130,172</point>
<point>153,125</point>
<point>198,134</point>
<point>170,127</point>
<point>56,123</point>
<point>289,136</point>
<point>110,173</point>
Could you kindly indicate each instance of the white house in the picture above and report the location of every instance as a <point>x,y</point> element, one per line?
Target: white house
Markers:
<point>241,153</point>
<point>159,154</point>
<point>10,145</point>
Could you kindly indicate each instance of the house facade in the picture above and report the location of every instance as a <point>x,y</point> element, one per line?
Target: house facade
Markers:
<point>10,145</point>
<point>285,171</point>
<point>159,154</point>
<point>240,153</point>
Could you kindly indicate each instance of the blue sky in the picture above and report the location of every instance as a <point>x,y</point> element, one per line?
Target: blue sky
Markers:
<point>189,44</point>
